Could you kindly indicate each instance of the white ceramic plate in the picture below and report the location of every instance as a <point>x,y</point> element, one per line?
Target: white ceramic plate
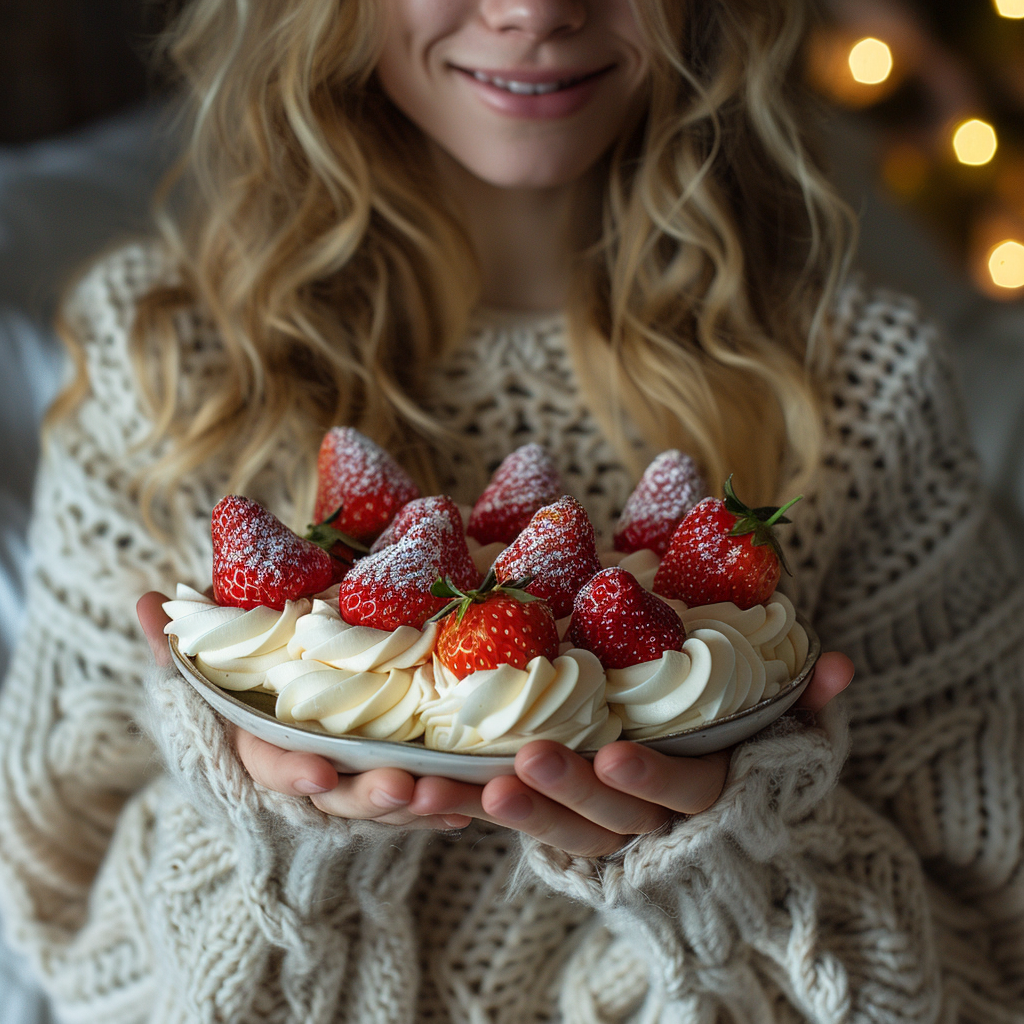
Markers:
<point>254,712</point>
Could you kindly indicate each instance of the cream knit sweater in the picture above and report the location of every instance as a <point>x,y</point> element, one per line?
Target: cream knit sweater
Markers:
<point>148,878</point>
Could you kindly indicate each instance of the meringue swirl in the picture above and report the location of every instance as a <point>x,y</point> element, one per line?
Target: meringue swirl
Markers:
<point>497,711</point>
<point>232,647</point>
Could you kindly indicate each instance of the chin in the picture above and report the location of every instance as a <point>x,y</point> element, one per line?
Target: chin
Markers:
<point>514,168</point>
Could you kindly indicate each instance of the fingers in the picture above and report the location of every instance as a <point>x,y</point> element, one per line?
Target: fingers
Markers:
<point>508,801</point>
<point>832,674</point>
<point>153,618</point>
<point>588,810</point>
<point>284,771</point>
<point>382,795</point>
<point>685,785</point>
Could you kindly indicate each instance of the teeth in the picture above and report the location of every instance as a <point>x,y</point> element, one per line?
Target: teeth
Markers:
<point>522,88</point>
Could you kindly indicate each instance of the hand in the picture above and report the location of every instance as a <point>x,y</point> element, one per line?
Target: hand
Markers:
<point>592,810</point>
<point>381,795</point>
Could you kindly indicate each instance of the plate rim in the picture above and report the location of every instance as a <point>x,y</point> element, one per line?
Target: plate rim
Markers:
<point>186,667</point>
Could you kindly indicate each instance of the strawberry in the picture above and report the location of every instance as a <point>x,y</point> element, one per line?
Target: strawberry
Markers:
<point>616,619</point>
<point>392,587</point>
<point>418,511</point>
<point>495,625</point>
<point>359,486</point>
<point>258,561</point>
<point>669,488</point>
<point>724,551</point>
<point>557,551</point>
<point>525,482</point>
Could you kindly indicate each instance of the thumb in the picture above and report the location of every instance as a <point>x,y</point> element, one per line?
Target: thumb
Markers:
<point>153,618</point>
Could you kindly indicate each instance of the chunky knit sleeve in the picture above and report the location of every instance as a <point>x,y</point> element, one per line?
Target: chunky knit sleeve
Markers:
<point>891,889</point>
<point>142,872</point>
<point>927,598</point>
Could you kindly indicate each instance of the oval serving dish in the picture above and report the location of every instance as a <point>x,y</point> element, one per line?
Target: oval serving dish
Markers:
<point>254,712</point>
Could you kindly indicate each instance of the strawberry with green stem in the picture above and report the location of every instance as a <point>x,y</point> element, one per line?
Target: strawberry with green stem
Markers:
<point>494,625</point>
<point>724,551</point>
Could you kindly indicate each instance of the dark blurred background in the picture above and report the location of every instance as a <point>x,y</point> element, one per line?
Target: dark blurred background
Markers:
<point>64,63</point>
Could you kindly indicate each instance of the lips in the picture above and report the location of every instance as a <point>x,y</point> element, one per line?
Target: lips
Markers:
<point>533,94</point>
<point>520,83</point>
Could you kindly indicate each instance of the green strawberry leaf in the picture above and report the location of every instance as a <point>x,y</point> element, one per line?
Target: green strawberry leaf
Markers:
<point>326,536</point>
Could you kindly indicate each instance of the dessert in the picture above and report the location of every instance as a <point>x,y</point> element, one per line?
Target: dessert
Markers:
<point>557,642</point>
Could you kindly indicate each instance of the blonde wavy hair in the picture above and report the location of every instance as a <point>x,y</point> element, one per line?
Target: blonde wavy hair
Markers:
<point>311,238</point>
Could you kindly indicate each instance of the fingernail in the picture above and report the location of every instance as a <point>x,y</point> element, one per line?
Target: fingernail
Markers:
<point>456,820</point>
<point>307,788</point>
<point>385,801</point>
<point>629,771</point>
<point>546,768</point>
<point>516,808</point>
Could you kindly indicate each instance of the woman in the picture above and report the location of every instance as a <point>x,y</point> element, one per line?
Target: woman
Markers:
<point>371,188</point>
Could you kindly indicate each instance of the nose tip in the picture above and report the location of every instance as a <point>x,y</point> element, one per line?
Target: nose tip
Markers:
<point>541,18</point>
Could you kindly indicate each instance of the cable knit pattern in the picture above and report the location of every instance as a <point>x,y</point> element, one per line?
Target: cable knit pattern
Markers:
<point>864,867</point>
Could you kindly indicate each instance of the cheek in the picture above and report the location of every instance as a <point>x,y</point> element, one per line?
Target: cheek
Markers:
<point>622,23</point>
<point>413,29</point>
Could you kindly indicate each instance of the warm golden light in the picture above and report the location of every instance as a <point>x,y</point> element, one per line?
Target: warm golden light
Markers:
<point>905,169</point>
<point>1006,265</point>
<point>871,61</point>
<point>975,142</point>
<point>1010,8</point>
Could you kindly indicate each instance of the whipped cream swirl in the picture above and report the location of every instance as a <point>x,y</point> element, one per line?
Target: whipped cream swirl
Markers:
<point>232,647</point>
<point>374,705</point>
<point>732,659</point>
<point>497,711</point>
<point>323,635</point>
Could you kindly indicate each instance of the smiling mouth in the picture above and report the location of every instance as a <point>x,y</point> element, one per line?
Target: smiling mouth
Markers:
<point>520,88</point>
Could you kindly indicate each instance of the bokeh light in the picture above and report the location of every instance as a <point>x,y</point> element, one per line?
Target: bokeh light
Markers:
<point>975,142</point>
<point>1010,8</point>
<point>1006,265</point>
<point>871,61</point>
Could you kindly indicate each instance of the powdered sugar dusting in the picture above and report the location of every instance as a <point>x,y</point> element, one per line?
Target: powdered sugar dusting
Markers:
<point>258,561</point>
<point>526,481</point>
<point>704,565</point>
<point>362,479</point>
<point>670,487</point>
<point>557,549</point>
<point>392,587</point>
<point>418,511</point>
